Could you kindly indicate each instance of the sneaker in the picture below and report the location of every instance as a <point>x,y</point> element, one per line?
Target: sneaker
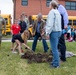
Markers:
<point>21,54</point>
<point>14,52</point>
<point>54,66</point>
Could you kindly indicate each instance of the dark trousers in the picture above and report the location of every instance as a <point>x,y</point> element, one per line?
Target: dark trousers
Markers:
<point>37,35</point>
<point>62,48</point>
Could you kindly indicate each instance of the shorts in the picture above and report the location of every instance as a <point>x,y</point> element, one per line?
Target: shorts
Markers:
<point>18,37</point>
<point>13,38</point>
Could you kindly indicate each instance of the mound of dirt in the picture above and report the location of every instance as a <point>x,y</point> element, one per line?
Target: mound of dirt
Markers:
<point>37,57</point>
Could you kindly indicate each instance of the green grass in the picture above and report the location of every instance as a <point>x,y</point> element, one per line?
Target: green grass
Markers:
<point>12,64</point>
<point>7,36</point>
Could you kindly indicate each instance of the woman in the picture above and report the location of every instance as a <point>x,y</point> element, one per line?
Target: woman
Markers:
<point>53,31</point>
<point>30,21</point>
<point>22,24</point>
<point>21,39</point>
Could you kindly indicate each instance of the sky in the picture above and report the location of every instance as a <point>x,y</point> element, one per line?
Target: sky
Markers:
<point>6,7</point>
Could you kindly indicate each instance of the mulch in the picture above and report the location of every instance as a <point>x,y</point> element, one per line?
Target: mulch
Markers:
<point>37,57</point>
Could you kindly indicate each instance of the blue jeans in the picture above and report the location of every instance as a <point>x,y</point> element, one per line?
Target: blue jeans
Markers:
<point>35,43</point>
<point>54,38</point>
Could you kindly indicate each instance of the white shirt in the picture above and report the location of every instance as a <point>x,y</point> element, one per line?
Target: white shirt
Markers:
<point>53,21</point>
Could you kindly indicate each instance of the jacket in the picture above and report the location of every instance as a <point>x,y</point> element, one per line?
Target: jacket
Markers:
<point>41,26</point>
<point>53,21</point>
<point>23,26</point>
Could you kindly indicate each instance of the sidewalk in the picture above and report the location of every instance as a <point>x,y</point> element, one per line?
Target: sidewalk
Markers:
<point>6,39</point>
<point>9,40</point>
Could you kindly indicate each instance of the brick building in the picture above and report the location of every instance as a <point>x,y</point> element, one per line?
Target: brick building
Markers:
<point>33,7</point>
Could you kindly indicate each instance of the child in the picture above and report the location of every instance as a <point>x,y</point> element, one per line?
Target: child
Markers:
<point>73,34</point>
<point>21,39</point>
<point>15,29</point>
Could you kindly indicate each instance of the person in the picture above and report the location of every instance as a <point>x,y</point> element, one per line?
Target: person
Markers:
<point>73,34</point>
<point>22,24</point>
<point>38,26</point>
<point>30,21</point>
<point>21,39</point>
<point>53,32</point>
<point>25,18</point>
<point>64,23</point>
<point>30,26</point>
<point>2,22</point>
<point>68,32</point>
<point>15,29</point>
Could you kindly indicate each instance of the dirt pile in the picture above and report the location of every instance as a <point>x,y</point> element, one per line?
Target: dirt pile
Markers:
<point>37,57</point>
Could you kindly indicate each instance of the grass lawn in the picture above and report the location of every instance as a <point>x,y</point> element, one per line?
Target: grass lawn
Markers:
<point>12,64</point>
<point>7,36</point>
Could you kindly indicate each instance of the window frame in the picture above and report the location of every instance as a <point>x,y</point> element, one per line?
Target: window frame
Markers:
<point>74,22</point>
<point>24,2</point>
<point>69,5</point>
<point>70,22</point>
<point>6,20</point>
<point>47,2</point>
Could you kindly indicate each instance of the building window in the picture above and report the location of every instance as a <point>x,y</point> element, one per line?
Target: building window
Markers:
<point>74,22</point>
<point>47,2</point>
<point>24,2</point>
<point>70,5</point>
<point>70,22</point>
